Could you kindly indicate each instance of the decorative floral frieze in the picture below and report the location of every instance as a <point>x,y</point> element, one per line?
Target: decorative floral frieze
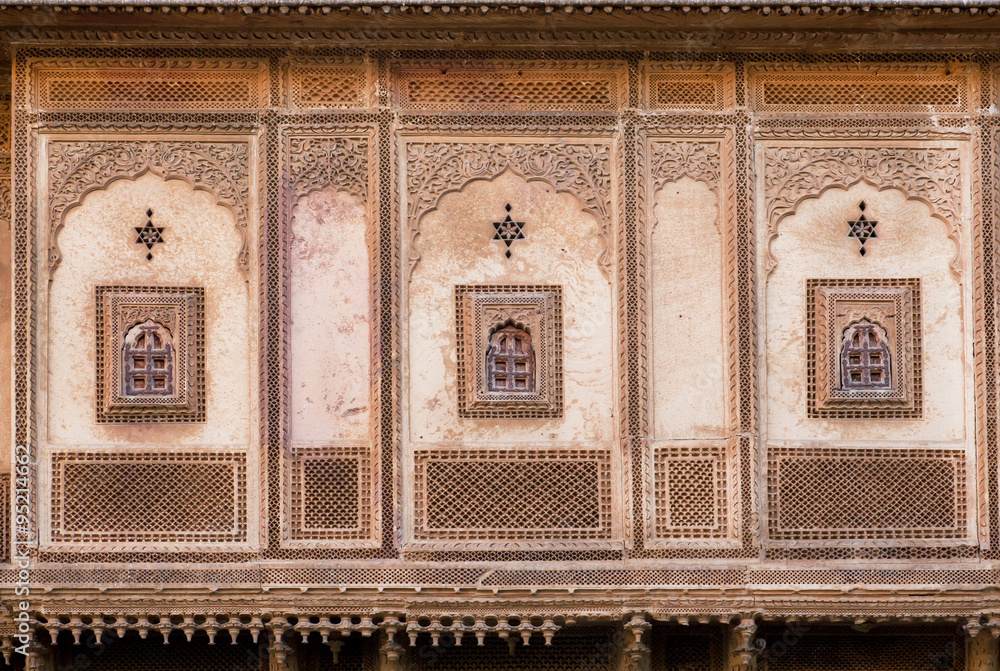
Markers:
<point>793,174</point>
<point>76,168</point>
<point>671,160</point>
<point>321,161</point>
<point>583,169</point>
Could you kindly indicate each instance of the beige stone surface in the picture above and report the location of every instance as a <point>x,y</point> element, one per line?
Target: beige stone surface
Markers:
<point>562,247</point>
<point>330,319</point>
<point>687,312</point>
<point>200,249</point>
<point>813,243</point>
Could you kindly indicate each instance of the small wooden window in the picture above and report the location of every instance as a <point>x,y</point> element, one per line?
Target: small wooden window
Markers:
<point>510,361</point>
<point>864,357</point>
<point>148,361</point>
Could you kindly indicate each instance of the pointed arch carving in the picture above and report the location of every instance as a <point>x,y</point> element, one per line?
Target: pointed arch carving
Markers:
<point>77,168</point>
<point>329,156</point>
<point>795,174</point>
<point>434,169</point>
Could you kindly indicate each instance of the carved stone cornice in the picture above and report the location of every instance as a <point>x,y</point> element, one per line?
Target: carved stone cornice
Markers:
<point>794,174</point>
<point>79,167</point>
<point>437,167</point>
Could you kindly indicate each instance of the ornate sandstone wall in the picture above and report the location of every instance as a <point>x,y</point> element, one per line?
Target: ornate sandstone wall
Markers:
<point>649,356</point>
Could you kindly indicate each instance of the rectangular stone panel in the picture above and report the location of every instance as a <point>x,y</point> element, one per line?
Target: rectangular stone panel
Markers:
<point>470,85</point>
<point>151,84</point>
<point>148,497</point>
<point>826,495</point>
<point>840,88</point>
<point>513,495</point>
<point>331,493</point>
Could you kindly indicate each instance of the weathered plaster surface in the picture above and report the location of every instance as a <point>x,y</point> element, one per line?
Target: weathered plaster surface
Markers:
<point>562,247</point>
<point>330,306</point>
<point>687,338</point>
<point>200,248</point>
<point>813,243</point>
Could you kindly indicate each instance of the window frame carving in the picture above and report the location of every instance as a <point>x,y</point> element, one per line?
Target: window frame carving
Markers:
<point>832,306</point>
<point>537,309</point>
<point>180,311</point>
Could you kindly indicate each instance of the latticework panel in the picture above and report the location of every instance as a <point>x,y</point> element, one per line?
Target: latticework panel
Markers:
<point>595,652</point>
<point>512,495</point>
<point>331,490</point>
<point>133,653</point>
<point>508,86</point>
<point>327,84</point>
<point>151,85</point>
<point>800,647</point>
<point>837,89</point>
<point>691,492</point>
<point>846,494</point>
<point>707,87</point>
<point>693,648</point>
<point>147,497</point>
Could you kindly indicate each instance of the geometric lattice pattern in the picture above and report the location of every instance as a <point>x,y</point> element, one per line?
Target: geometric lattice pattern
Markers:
<point>483,310</point>
<point>512,495</point>
<point>838,307</point>
<point>690,492</point>
<point>327,86</point>
<point>162,381</point>
<point>162,497</point>
<point>804,648</point>
<point>927,89</point>
<point>331,492</point>
<point>150,89</point>
<point>866,494</point>
<point>529,86</point>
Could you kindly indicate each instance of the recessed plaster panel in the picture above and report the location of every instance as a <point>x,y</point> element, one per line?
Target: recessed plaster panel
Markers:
<point>813,243</point>
<point>200,248</point>
<point>686,335</point>
<point>330,307</point>
<point>562,247</point>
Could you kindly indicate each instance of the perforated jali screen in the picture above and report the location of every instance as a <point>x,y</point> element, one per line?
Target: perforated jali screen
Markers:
<point>688,648</point>
<point>676,102</point>
<point>800,647</point>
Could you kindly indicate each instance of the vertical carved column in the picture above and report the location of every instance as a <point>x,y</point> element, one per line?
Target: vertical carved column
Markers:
<point>391,653</point>
<point>745,647</point>
<point>982,648</point>
<point>281,656</point>
<point>637,656</point>
<point>39,657</point>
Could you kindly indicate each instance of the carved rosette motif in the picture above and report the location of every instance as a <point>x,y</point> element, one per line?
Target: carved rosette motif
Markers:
<point>436,168</point>
<point>77,168</point>
<point>793,174</point>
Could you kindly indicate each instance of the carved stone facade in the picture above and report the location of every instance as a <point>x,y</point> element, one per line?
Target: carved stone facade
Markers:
<point>405,344</point>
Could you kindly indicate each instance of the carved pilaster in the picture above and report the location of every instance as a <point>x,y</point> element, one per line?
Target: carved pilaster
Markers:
<point>281,656</point>
<point>637,656</point>
<point>983,646</point>
<point>745,646</point>
<point>392,653</point>
<point>39,657</point>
